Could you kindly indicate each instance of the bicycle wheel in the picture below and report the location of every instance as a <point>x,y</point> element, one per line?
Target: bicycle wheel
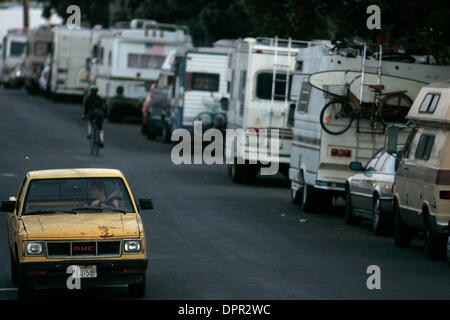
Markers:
<point>336,117</point>
<point>394,108</point>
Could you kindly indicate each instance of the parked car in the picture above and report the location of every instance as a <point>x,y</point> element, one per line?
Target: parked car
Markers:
<point>369,193</point>
<point>82,217</point>
<point>422,181</point>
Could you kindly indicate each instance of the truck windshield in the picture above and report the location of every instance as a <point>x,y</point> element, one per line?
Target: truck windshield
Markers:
<point>74,195</point>
<point>16,48</point>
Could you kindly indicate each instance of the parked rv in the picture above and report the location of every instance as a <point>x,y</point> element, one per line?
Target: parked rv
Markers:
<point>320,161</point>
<point>71,48</point>
<point>422,181</point>
<point>39,45</point>
<point>12,49</point>
<point>200,80</point>
<point>131,56</point>
<point>369,192</point>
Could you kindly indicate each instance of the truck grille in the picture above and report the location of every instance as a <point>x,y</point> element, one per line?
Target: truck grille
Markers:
<point>69,249</point>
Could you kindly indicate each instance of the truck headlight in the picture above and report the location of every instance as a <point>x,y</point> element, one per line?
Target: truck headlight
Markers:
<point>132,246</point>
<point>34,248</point>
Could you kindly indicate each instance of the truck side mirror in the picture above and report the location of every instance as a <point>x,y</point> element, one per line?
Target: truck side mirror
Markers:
<point>146,204</point>
<point>8,206</point>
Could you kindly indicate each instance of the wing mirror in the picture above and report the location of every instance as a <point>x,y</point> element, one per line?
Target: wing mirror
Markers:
<point>8,206</point>
<point>145,204</point>
<point>356,166</point>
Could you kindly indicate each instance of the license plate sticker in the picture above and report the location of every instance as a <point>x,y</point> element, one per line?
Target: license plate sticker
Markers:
<point>88,272</point>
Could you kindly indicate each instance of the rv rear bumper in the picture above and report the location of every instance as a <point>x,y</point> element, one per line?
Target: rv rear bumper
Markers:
<point>329,185</point>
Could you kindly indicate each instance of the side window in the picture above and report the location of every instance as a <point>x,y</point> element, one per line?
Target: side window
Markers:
<point>408,143</point>
<point>429,103</point>
<point>264,83</point>
<point>424,147</point>
<point>372,162</point>
<point>379,166</point>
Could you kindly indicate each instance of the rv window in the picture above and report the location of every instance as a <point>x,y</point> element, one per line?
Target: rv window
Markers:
<point>264,86</point>
<point>144,61</point>
<point>16,48</point>
<point>424,148</point>
<point>303,99</point>
<point>205,81</point>
<point>429,103</point>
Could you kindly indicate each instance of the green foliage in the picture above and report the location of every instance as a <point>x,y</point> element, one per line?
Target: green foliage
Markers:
<point>404,21</point>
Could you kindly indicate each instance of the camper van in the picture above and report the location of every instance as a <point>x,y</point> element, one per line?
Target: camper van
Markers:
<point>71,48</point>
<point>12,48</point>
<point>319,164</point>
<point>260,75</point>
<point>200,82</point>
<point>131,56</point>
<point>39,45</point>
<point>422,181</point>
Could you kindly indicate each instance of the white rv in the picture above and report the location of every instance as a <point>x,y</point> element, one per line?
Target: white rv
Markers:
<point>131,57</point>
<point>319,164</point>
<point>12,48</point>
<point>200,81</point>
<point>39,45</point>
<point>71,48</point>
<point>260,75</point>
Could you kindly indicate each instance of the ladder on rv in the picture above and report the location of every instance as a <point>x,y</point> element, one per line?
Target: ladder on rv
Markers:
<point>285,69</point>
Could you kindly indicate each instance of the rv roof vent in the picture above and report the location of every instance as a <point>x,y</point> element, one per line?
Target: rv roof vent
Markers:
<point>141,23</point>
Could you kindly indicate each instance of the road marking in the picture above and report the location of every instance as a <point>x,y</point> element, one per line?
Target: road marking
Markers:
<point>8,289</point>
<point>7,174</point>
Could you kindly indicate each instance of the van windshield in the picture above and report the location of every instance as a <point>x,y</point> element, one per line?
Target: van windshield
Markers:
<point>74,195</point>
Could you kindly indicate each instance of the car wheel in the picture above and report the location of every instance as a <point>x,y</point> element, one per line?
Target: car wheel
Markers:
<point>13,264</point>
<point>309,197</point>
<point>434,245</point>
<point>378,217</point>
<point>349,218</point>
<point>402,233</point>
<point>137,290</point>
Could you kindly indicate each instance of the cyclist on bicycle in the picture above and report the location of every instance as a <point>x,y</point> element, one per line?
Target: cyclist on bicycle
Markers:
<point>94,110</point>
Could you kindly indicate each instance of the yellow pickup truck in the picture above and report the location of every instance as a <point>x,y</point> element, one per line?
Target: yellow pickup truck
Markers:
<point>76,228</point>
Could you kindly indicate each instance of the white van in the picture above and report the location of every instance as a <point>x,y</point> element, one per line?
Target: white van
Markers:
<point>319,164</point>
<point>12,49</point>
<point>71,48</point>
<point>260,75</point>
<point>422,181</point>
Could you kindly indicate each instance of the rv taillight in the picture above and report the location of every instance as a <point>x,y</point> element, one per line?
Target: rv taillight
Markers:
<point>341,153</point>
<point>444,194</point>
<point>258,51</point>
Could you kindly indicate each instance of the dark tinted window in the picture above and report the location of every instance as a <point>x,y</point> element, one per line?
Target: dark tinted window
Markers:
<point>16,48</point>
<point>424,147</point>
<point>264,86</point>
<point>205,81</point>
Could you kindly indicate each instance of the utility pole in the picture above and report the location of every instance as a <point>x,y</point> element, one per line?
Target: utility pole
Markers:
<point>26,16</point>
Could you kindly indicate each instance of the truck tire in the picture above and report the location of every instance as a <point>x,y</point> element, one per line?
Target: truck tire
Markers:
<point>402,233</point>
<point>26,291</point>
<point>166,136</point>
<point>237,172</point>
<point>309,203</point>
<point>137,290</point>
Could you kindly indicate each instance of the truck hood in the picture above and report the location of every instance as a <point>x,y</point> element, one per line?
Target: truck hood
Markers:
<point>81,226</point>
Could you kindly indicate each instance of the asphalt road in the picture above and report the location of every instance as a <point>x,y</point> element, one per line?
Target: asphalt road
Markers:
<point>209,238</point>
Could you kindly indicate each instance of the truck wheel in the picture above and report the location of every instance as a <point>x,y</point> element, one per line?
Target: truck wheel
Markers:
<point>309,198</point>
<point>434,244</point>
<point>296,196</point>
<point>237,172</point>
<point>250,173</point>
<point>402,233</point>
<point>26,291</point>
<point>349,218</point>
<point>13,264</point>
<point>166,133</point>
<point>137,290</point>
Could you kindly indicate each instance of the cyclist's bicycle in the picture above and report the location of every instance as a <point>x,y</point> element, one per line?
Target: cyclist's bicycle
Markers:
<point>95,138</point>
<point>338,114</point>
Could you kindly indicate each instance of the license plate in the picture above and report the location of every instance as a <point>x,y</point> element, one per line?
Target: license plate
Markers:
<point>88,272</point>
